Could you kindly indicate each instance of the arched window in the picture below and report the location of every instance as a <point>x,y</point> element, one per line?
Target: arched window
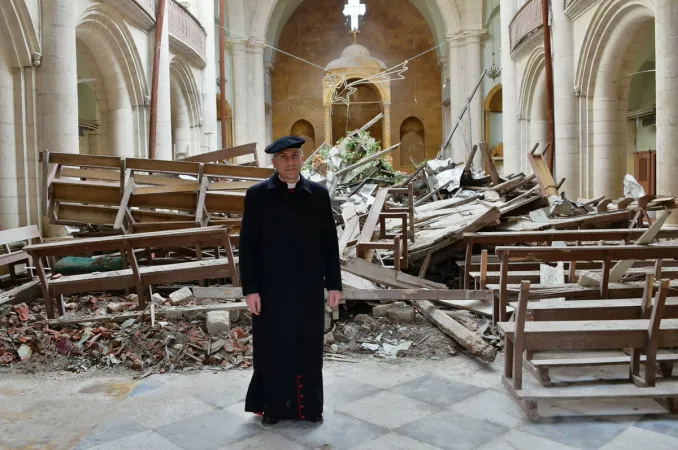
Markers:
<point>304,129</point>
<point>412,142</point>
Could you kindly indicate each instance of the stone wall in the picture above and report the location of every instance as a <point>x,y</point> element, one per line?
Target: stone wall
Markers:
<point>392,30</point>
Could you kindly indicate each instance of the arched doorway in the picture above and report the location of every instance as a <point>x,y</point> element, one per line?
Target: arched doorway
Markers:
<point>185,110</point>
<point>111,85</point>
<point>304,129</point>
<point>412,142</point>
<point>363,105</point>
<point>494,122</point>
<point>618,42</point>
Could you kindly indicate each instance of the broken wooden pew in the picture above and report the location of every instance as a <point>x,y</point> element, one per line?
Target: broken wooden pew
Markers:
<point>640,335</point>
<point>607,254</point>
<point>547,237</point>
<point>135,276</point>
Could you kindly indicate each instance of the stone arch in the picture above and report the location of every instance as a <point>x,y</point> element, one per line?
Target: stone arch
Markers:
<point>19,47</point>
<point>18,29</point>
<point>272,15</point>
<point>119,80</point>
<point>186,107</point>
<point>532,113</point>
<point>304,129</point>
<point>412,141</point>
<point>604,91</point>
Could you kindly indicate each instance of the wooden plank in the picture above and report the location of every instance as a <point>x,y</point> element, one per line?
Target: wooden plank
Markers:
<point>599,360</point>
<point>621,309</point>
<point>468,339</point>
<point>231,185</point>
<point>489,163</point>
<point>224,153</point>
<point>157,165</point>
<point>168,188</point>
<point>76,191</point>
<point>24,293</point>
<point>519,335</point>
<point>237,172</point>
<point>19,234</point>
<point>542,172</point>
<point>385,276</point>
<point>523,237</point>
<point>602,391</point>
<point>594,335</point>
<point>68,320</point>
<point>76,160</point>
<point>352,225</point>
<point>225,202</point>
<point>620,252</point>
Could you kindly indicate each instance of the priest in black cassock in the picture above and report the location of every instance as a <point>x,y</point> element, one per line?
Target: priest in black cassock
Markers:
<point>289,255</point>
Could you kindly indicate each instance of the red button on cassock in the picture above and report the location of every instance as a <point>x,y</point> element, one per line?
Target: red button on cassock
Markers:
<point>301,386</point>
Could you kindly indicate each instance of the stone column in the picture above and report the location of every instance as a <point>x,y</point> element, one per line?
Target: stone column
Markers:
<point>205,9</point>
<point>474,65</point>
<point>386,126</point>
<point>258,113</point>
<point>444,85</point>
<point>328,125</point>
<point>456,152</point>
<point>163,145</point>
<point>567,142</point>
<point>240,93</point>
<point>666,32</point>
<point>58,79</point>
<point>511,125</point>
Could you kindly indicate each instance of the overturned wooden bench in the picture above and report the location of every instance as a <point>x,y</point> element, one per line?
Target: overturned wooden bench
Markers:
<point>135,276</point>
<point>640,335</point>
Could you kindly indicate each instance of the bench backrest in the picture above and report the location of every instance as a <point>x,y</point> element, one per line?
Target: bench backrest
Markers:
<point>19,234</point>
<point>225,153</point>
<point>592,253</point>
<point>547,236</point>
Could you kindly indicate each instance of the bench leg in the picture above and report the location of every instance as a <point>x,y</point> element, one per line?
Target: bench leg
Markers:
<point>529,407</point>
<point>540,373</point>
<point>666,368</point>
<point>670,403</point>
<point>508,357</point>
<point>44,284</point>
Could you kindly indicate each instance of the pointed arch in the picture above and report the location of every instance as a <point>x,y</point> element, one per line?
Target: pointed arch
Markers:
<point>17,29</point>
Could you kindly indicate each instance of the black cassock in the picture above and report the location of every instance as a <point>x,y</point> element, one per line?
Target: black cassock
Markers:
<point>289,254</point>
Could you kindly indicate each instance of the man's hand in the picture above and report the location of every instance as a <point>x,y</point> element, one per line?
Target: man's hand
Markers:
<point>254,303</point>
<point>334,298</point>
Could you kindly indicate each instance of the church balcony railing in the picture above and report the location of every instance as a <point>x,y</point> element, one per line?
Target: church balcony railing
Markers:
<point>140,13</point>
<point>525,23</point>
<point>186,34</point>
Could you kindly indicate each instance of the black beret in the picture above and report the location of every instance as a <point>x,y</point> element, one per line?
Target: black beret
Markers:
<point>285,142</point>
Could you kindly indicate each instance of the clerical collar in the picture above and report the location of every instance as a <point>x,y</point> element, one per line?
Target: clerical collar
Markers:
<point>290,185</point>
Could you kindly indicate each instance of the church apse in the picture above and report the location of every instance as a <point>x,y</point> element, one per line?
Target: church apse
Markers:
<point>390,32</point>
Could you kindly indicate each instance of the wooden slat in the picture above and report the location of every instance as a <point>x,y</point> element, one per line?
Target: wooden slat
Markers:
<point>621,252</point>
<point>621,309</point>
<point>523,237</point>
<point>157,165</point>
<point>594,334</point>
<point>168,189</point>
<point>664,388</point>
<point>91,174</point>
<point>76,160</point>
<point>76,191</point>
<point>237,172</point>
<point>598,361</point>
<point>225,153</point>
<point>19,234</point>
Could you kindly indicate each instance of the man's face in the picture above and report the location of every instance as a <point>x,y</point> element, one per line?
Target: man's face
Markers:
<point>288,164</point>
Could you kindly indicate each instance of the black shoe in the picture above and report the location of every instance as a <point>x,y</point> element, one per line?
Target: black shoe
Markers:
<point>315,419</point>
<point>268,421</point>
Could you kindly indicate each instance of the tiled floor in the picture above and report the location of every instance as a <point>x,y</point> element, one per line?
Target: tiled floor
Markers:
<point>409,405</point>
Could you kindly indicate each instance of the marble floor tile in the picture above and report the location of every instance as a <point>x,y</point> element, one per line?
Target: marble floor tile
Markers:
<point>666,424</point>
<point>394,441</point>
<point>110,431</point>
<point>388,409</point>
<point>451,430</point>
<point>148,440</point>
<point>519,440</point>
<point>382,374</point>
<point>212,430</point>
<point>218,388</point>
<point>583,432</point>
<point>265,441</point>
<point>493,406</point>
<point>340,391</point>
<point>338,431</point>
<point>634,438</point>
<point>436,390</point>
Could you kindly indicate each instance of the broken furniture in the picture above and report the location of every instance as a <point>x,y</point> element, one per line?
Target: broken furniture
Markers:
<point>379,213</point>
<point>135,276</point>
<point>10,258</point>
<point>132,194</point>
<point>547,237</point>
<point>606,254</point>
<point>227,155</point>
<point>641,335</point>
<point>597,310</point>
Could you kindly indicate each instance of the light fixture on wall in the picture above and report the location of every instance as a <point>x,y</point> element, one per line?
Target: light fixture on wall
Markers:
<point>494,71</point>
